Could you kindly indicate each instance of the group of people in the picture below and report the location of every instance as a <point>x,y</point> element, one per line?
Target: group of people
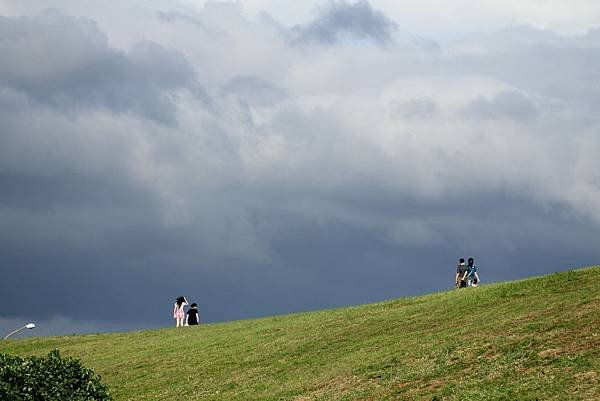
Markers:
<point>466,274</point>
<point>191,317</point>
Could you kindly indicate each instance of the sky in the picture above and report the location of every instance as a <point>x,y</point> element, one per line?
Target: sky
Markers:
<point>265,157</point>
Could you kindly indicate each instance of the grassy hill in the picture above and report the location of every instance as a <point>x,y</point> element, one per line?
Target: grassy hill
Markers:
<point>525,340</point>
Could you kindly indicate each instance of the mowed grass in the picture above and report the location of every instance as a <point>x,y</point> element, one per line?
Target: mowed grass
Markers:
<point>535,339</point>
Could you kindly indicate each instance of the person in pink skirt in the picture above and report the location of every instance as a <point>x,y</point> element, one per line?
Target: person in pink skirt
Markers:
<point>178,312</point>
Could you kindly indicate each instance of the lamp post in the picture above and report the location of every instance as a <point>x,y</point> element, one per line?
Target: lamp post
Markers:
<point>27,326</point>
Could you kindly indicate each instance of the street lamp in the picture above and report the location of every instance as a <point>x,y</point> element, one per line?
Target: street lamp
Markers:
<point>27,326</point>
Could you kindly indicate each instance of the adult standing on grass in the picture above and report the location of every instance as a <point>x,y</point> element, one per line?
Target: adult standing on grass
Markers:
<point>178,312</point>
<point>459,282</point>
<point>471,277</point>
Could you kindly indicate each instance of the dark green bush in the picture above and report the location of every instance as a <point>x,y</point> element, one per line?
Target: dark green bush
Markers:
<point>52,378</point>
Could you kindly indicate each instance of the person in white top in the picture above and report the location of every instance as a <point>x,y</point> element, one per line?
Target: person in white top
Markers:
<point>178,312</point>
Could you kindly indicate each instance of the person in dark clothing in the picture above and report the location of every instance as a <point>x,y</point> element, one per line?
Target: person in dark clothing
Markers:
<point>193,317</point>
<point>470,277</point>
<point>459,282</point>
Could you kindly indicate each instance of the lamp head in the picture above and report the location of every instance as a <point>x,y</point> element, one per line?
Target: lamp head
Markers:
<point>30,325</point>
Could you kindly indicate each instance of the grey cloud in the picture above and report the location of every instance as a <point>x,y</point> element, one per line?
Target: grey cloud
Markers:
<point>175,16</point>
<point>319,176</point>
<point>254,90</point>
<point>337,260</point>
<point>506,104</point>
<point>34,192</point>
<point>537,61</point>
<point>83,71</point>
<point>422,108</point>
<point>593,37</point>
<point>341,20</point>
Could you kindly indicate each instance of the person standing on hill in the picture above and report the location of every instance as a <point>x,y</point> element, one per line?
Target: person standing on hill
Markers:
<point>178,313</point>
<point>193,317</point>
<point>470,276</point>
<point>459,282</point>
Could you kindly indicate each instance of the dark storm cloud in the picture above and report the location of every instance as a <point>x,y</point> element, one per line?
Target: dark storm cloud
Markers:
<point>82,70</point>
<point>341,20</point>
<point>38,192</point>
<point>318,261</point>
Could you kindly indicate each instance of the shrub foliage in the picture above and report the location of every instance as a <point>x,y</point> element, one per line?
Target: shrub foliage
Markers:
<point>50,378</point>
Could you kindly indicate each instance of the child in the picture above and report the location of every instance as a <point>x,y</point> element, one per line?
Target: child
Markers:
<point>470,276</point>
<point>178,313</point>
<point>193,318</point>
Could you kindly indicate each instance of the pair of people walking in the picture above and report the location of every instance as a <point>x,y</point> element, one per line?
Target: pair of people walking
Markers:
<point>183,318</point>
<point>466,274</point>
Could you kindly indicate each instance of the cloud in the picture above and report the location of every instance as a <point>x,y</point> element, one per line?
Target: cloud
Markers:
<point>414,108</point>
<point>512,105</point>
<point>341,21</point>
<point>173,16</point>
<point>254,90</point>
<point>209,155</point>
<point>538,62</point>
<point>83,71</point>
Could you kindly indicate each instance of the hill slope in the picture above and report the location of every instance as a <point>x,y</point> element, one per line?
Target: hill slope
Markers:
<point>531,339</point>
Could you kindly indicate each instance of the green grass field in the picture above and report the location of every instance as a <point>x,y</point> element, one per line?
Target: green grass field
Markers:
<point>535,339</point>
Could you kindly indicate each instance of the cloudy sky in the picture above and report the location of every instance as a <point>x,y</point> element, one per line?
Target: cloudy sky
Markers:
<point>270,156</point>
